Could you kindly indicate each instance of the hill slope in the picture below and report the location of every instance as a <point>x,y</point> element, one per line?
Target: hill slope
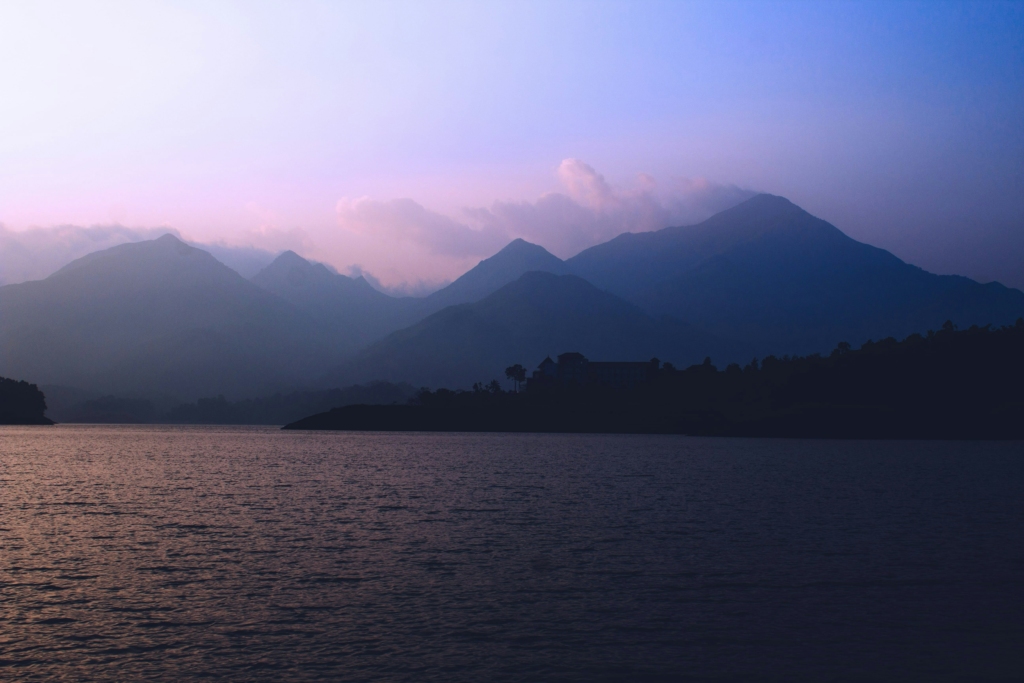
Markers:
<point>155,316</point>
<point>355,312</point>
<point>539,314</point>
<point>358,314</point>
<point>517,258</point>
<point>769,273</point>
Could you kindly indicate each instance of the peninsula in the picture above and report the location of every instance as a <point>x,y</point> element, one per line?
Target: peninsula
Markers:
<point>22,403</point>
<point>948,384</point>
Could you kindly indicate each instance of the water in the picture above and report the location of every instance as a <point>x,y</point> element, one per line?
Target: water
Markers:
<point>155,553</point>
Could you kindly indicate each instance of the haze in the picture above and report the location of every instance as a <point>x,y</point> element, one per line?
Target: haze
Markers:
<point>409,141</point>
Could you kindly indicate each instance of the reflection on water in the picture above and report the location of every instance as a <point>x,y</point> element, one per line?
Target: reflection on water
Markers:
<point>250,553</point>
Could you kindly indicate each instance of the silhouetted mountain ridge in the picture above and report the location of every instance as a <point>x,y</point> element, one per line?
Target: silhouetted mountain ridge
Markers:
<point>355,312</point>
<point>161,318</point>
<point>508,265</point>
<point>769,273</point>
<point>156,316</point>
<point>537,315</point>
<point>360,314</point>
<point>633,262</point>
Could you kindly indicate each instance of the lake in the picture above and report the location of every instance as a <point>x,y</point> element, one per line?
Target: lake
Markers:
<point>248,553</point>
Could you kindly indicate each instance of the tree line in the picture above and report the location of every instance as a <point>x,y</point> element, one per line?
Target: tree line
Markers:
<point>948,383</point>
<point>21,403</point>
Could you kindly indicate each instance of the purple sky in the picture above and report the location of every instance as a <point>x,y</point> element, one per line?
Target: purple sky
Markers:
<point>412,139</point>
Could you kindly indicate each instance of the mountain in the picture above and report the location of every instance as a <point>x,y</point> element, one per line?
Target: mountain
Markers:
<point>355,312</point>
<point>508,265</point>
<point>537,315</point>
<point>246,261</point>
<point>771,274</point>
<point>156,316</point>
<point>164,320</point>
<point>359,314</point>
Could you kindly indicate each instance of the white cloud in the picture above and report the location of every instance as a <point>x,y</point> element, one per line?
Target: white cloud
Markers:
<point>403,220</point>
<point>275,240</point>
<point>37,253</point>
<point>417,288</point>
<point>410,248</point>
<point>588,212</point>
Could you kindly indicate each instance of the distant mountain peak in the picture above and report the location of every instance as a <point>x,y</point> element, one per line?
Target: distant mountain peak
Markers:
<point>508,265</point>
<point>527,319</point>
<point>153,316</point>
<point>762,206</point>
<point>289,256</point>
<point>520,245</point>
<point>768,271</point>
<point>770,200</point>
<point>164,257</point>
<point>287,260</point>
<point>348,304</point>
<point>521,248</point>
<point>171,241</point>
<point>292,270</point>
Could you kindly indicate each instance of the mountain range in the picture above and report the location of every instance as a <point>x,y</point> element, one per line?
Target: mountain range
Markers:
<point>353,311</point>
<point>536,315</point>
<point>769,273</point>
<point>156,317</point>
<point>764,277</point>
<point>358,313</point>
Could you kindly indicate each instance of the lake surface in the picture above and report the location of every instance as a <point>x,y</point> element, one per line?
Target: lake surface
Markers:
<point>170,553</point>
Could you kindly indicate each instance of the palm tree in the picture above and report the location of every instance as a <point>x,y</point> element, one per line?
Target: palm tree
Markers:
<point>516,373</point>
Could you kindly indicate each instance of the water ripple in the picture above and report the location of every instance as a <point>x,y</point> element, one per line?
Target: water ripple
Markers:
<point>167,554</point>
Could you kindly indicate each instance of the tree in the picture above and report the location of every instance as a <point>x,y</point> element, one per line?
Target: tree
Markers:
<point>516,373</point>
<point>842,348</point>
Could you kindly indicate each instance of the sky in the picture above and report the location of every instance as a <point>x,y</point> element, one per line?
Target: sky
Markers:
<point>409,140</point>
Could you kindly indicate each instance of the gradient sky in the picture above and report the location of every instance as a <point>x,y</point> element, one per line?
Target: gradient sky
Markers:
<point>411,139</point>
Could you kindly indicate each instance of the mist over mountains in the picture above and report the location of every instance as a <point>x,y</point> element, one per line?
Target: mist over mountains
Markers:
<point>353,311</point>
<point>765,277</point>
<point>35,253</point>
<point>522,322</point>
<point>156,317</point>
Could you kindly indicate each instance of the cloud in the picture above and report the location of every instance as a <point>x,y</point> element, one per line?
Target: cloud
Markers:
<point>587,212</point>
<point>403,220</point>
<point>591,211</point>
<point>37,253</point>
<point>587,185</point>
<point>417,288</point>
<point>269,236</point>
<point>246,261</point>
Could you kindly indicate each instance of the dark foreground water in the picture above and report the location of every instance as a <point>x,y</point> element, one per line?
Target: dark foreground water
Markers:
<point>142,553</point>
